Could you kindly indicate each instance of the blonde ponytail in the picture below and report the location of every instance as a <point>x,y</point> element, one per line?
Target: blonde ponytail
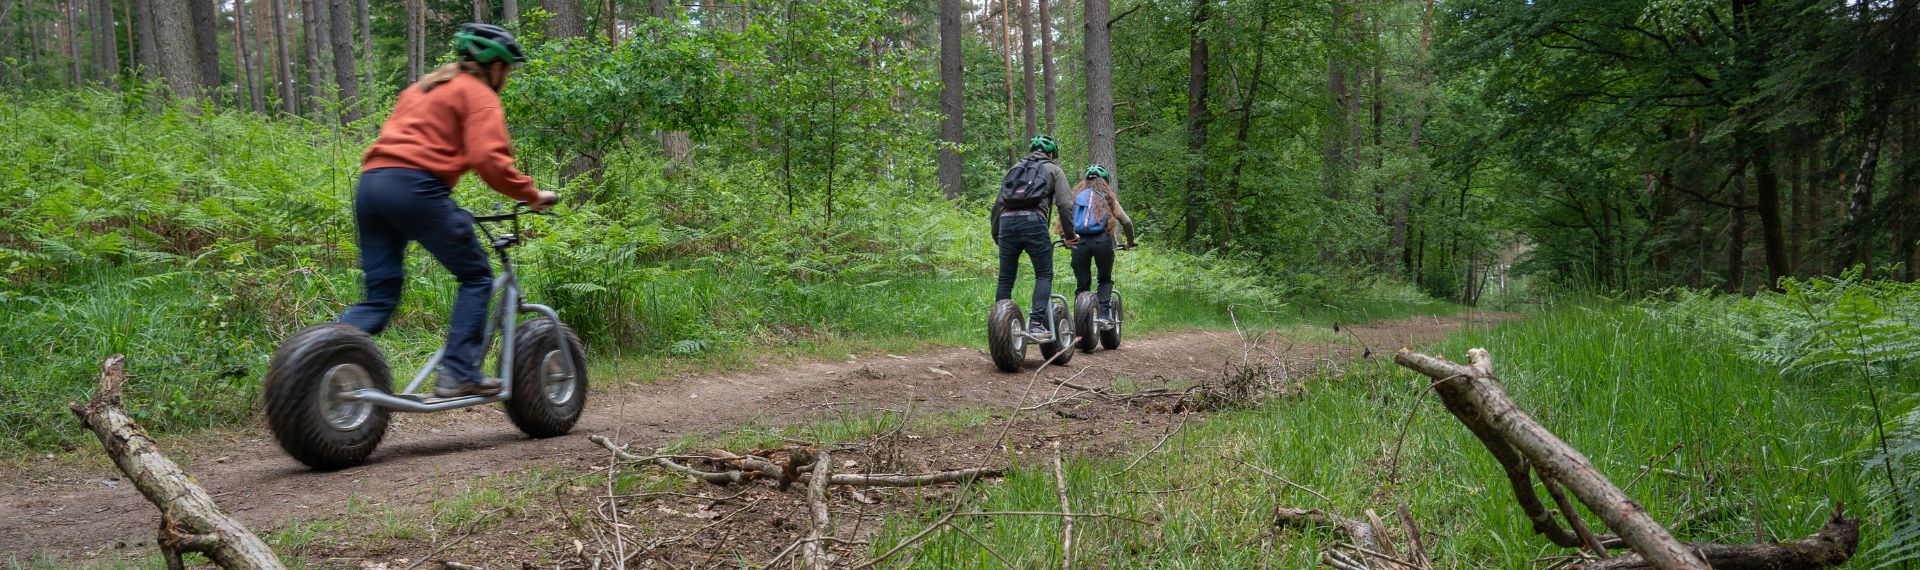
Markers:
<point>446,73</point>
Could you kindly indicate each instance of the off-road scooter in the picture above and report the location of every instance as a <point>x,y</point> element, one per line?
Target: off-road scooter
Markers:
<point>328,392</point>
<point>1008,336</point>
<point>1086,310</point>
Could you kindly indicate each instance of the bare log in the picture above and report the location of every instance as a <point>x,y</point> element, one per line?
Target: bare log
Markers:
<point>1066,530</point>
<point>189,519</point>
<point>1359,532</point>
<point>814,551</point>
<point>1832,546</point>
<point>1476,388</point>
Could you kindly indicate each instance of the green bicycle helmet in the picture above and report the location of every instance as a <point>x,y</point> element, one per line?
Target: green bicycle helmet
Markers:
<point>1097,171</point>
<point>1043,143</point>
<point>487,43</point>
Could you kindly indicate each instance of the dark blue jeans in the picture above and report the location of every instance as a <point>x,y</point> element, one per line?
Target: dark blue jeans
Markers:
<point>394,206</point>
<point>1026,233</point>
<point>1094,252</point>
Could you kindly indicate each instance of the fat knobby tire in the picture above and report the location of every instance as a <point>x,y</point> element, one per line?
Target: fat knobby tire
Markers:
<point>294,383</point>
<point>1062,344</point>
<point>1110,338</point>
<point>529,407</point>
<point>1084,305</point>
<point>1002,323</point>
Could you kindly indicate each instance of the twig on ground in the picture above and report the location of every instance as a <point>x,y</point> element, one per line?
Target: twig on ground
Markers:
<point>1649,466</point>
<point>1278,478</point>
<point>1156,446</point>
<point>1415,543</point>
<point>1066,530</point>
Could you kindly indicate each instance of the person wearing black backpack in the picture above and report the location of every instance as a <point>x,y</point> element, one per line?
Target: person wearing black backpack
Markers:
<point>1096,209</point>
<point>1020,218</point>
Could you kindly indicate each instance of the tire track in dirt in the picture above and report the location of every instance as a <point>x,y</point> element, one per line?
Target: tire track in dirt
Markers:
<point>76,513</point>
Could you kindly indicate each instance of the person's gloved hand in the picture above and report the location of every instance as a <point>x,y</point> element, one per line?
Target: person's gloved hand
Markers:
<point>544,201</point>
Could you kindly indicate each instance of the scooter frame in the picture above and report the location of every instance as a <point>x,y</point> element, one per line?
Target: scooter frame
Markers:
<point>508,301</point>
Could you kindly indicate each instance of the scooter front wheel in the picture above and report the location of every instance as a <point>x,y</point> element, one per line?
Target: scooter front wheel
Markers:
<point>1084,305</point>
<point>1110,338</point>
<point>306,388</point>
<point>1060,351</point>
<point>1006,340</point>
<point>549,378</point>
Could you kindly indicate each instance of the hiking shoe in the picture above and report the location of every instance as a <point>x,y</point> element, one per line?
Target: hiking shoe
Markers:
<point>1106,311</point>
<point>1037,326</point>
<point>484,387</point>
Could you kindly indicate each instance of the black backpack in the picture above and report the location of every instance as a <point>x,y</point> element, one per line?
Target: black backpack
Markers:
<point>1025,186</point>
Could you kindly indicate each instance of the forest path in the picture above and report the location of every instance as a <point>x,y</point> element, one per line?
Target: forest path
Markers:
<point>65,511</point>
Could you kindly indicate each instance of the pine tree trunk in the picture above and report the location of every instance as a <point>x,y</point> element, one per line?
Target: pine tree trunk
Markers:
<point>415,59</point>
<point>341,19</point>
<point>206,43</point>
<point>1402,203</point>
<point>1198,117</point>
<point>1333,160</point>
<point>509,12</point>
<point>1379,163</point>
<point>1228,219</point>
<point>481,10</point>
<point>242,71</point>
<point>678,145</point>
<point>283,60</point>
<point>8,45</point>
<point>952,99</point>
<point>1099,58</point>
<point>611,15</point>
<point>74,75</point>
<point>1046,65</point>
<point>173,36</point>
<point>1797,220</point>
<point>1026,64</point>
<point>148,54</point>
<point>1014,147</point>
<point>110,44</point>
<point>365,16</point>
<point>567,20</point>
<point>1737,235</point>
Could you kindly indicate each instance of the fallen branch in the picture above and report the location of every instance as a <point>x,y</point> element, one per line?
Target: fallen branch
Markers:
<point>1520,445</point>
<point>189,519</point>
<point>1357,531</point>
<point>750,468</point>
<point>1475,396</point>
<point>816,553</point>
<point>1832,546</point>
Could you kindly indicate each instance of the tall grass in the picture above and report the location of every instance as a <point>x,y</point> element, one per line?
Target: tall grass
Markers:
<point>1690,426</point>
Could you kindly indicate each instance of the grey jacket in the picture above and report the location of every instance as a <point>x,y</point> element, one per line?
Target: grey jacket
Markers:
<point>1062,198</point>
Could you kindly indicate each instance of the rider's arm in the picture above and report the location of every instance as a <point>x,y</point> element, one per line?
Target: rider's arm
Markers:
<point>1126,223</point>
<point>1062,200</point>
<point>490,153</point>
<point>993,219</point>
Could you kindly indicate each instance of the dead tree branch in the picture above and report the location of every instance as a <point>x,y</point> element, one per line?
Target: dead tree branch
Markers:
<point>1066,531</point>
<point>815,552</point>
<point>189,519</point>
<point>1359,532</point>
<point>1520,444</point>
<point>1832,546</point>
<point>748,468</point>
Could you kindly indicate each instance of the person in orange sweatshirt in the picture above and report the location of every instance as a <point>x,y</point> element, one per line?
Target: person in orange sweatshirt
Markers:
<point>447,124</point>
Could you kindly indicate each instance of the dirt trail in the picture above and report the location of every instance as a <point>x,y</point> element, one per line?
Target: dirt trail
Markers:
<point>68,512</point>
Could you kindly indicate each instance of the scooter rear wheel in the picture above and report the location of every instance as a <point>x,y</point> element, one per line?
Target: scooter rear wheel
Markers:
<point>1110,338</point>
<point>1060,351</point>
<point>1084,305</point>
<point>1005,326</point>
<point>306,380</point>
<point>549,379</point>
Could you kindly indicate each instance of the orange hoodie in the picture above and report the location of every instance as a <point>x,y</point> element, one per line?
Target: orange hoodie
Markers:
<point>448,131</point>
